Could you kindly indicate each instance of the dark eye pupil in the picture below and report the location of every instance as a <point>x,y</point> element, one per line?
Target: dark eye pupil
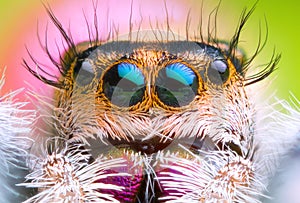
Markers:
<point>124,85</point>
<point>176,85</point>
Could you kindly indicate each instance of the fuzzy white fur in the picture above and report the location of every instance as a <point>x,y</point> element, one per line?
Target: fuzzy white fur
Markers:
<point>15,127</point>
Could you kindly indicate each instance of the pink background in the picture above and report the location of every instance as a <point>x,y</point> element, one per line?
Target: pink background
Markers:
<point>20,20</point>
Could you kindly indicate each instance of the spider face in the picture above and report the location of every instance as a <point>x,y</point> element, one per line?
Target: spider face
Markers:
<point>150,98</point>
<point>150,86</point>
<point>152,120</point>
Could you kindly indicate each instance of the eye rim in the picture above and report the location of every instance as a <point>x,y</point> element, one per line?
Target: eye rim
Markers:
<point>220,51</point>
<point>100,89</point>
<point>232,75</point>
<point>200,84</point>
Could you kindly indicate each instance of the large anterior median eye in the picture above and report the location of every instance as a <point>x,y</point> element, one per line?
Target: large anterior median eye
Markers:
<point>176,85</point>
<point>124,84</point>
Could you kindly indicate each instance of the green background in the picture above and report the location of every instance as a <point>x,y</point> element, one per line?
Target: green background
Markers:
<point>283,25</point>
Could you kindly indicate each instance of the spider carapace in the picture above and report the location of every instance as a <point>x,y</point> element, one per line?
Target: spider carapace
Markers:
<point>164,108</point>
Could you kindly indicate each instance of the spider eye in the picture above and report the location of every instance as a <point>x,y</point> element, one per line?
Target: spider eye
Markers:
<point>218,72</point>
<point>124,84</point>
<point>176,85</point>
<point>219,65</point>
<point>131,73</point>
<point>85,74</point>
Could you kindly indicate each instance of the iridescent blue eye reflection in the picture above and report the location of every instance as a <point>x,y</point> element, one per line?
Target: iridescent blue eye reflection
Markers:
<point>181,73</point>
<point>124,84</point>
<point>131,73</point>
<point>176,85</point>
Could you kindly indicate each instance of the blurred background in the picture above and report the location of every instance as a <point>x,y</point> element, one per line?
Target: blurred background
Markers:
<point>21,21</point>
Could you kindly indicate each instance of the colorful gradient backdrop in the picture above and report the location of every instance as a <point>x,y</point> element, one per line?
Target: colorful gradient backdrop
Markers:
<point>20,19</point>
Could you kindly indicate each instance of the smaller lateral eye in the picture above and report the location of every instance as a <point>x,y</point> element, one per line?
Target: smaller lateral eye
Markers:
<point>176,85</point>
<point>219,65</point>
<point>85,74</point>
<point>218,71</point>
<point>124,84</point>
